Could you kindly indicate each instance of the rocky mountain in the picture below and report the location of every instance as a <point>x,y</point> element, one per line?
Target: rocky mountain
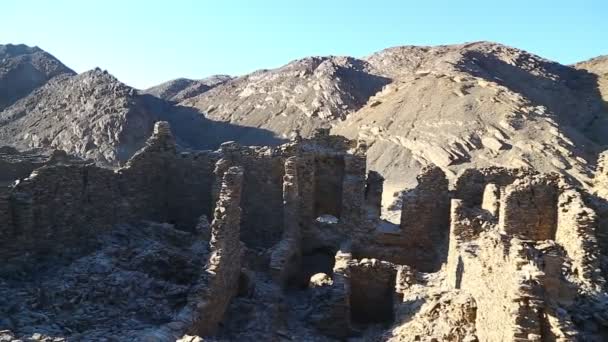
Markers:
<point>95,116</point>
<point>476,105</point>
<point>457,106</point>
<point>288,241</point>
<point>24,68</point>
<point>300,96</point>
<point>180,89</point>
<point>92,115</point>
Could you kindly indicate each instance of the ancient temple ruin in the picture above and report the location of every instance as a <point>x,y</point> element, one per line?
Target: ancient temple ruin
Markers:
<point>266,243</point>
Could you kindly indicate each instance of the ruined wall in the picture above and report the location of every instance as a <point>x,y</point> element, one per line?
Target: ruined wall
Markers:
<point>262,197</point>
<point>471,184</point>
<point>306,189</point>
<point>425,212</point>
<point>285,256</point>
<point>421,240</point>
<point>160,184</point>
<point>373,193</point>
<point>332,303</point>
<point>372,291</point>
<point>528,208</point>
<point>493,275</point>
<point>353,213</point>
<point>576,233</point>
<point>221,281</point>
<point>526,286</point>
<point>61,207</point>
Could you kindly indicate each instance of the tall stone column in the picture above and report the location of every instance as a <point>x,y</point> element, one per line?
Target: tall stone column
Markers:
<point>230,151</point>
<point>425,219</point>
<point>373,193</point>
<point>286,254</point>
<point>353,190</point>
<point>306,188</point>
<point>221,279</point>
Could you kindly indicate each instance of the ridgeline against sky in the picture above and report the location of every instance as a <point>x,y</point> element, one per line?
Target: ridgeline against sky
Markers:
<point>145,43</point>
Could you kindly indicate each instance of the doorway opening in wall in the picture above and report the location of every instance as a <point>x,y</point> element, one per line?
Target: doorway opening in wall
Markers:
<point>318,260</point>
<point>371,299</point>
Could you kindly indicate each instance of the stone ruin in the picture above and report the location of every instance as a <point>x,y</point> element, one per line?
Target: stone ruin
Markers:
<point>287,243</point>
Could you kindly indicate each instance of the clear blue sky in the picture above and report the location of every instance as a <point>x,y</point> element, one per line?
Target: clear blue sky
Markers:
<point>146,42</point>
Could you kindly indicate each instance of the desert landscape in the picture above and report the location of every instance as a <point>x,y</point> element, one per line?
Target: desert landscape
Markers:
<point>421,193</point>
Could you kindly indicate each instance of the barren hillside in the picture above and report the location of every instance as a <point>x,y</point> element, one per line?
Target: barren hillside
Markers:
<point>180,89</point>
<point>300,96</point>
<point>24,68</point>
<point>457,106</point>
<point>479,104</point>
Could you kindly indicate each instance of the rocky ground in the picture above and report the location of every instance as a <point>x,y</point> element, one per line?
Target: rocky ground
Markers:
<point>141,274</point>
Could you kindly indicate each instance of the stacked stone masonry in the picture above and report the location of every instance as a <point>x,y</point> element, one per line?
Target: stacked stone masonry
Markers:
<point>506,255</point>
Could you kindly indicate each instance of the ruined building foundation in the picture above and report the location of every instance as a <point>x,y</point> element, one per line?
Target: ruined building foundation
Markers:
<point>287,243</point>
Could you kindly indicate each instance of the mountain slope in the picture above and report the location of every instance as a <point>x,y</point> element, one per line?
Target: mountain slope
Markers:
<point>478,104</point>
<point>24,68</point>
<point>93,115</point>
<point>300,96</point>
<point>599,67</point>
<point>457,106</point>
<point>180,89</point>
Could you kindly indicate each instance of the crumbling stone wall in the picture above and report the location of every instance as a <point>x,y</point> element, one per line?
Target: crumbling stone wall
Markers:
<point>285,257</point>
<point>263,222</point>
<point>353,192</point>
<point>528,208</point>
<point>224,265</point>
<point>544,285</point>
<point>361,292</point>
<point>373,193</point>
<point>59,208</point>
<point>421,240</point>
<point>576,233</point>
<point>490,273</point>
<point>190,187</point>
<point>471,184</point>
<point>332,316</point>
